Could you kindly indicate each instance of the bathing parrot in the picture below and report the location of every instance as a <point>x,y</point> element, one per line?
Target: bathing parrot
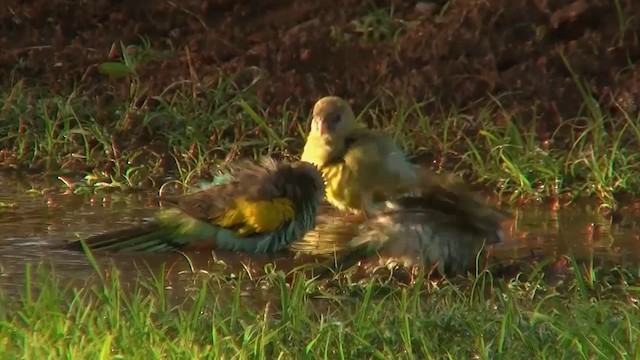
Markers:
<point>257,207</point>
<point>360,166</point>
<point>442,225</point>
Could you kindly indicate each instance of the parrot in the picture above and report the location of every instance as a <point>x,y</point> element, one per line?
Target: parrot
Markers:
<point>256,207</point>
<point>361,167</point>
<point>442,225</point>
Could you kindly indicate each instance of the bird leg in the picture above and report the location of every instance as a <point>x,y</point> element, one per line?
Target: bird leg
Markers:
<point>366,205</point>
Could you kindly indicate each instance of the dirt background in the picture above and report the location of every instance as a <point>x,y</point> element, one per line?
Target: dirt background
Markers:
<point>452,53</point>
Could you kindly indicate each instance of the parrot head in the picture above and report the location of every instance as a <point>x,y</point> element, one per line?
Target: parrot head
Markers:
<point>309,177</point>
<point>332,118</point>
<point>299,181</point>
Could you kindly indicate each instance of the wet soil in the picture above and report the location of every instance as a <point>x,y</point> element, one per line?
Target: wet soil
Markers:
<point>450,53</point>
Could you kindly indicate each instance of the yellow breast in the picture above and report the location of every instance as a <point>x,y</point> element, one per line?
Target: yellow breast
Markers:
<point>342,188</point>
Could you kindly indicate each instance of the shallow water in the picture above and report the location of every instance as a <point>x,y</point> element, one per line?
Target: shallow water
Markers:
<point>34,228</point>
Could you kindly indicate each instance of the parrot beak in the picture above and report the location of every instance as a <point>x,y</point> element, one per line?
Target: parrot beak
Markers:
<point>320,126</point>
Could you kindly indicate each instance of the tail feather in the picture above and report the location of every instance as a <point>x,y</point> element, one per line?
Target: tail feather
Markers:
<point>146,238</point>
<point>171,230</point>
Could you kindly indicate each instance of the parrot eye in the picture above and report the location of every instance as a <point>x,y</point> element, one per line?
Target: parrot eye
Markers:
<point>334,118</point>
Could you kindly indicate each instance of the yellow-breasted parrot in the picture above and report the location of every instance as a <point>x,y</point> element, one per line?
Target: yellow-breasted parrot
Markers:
<point>360,166</point>
<point>256,207</point>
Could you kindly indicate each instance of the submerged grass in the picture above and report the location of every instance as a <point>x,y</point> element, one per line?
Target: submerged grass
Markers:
<point>591,314</point>
<point>139,141</point>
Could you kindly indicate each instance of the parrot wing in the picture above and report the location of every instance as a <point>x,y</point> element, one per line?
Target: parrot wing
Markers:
<point>249,203</point>
<point>445,224</point>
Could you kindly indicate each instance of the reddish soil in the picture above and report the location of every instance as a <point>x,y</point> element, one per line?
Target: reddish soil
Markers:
<point>456,53</point>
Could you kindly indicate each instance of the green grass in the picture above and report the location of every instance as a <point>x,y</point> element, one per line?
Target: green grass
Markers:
<point>591,314</point>
<point>124,144</point>
<point>137,142</point>
<point>596,158</point>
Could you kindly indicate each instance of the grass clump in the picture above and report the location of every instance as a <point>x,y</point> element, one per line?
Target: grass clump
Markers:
<point>590,314</point>
<point>596,158</point>
<point>133,143</point>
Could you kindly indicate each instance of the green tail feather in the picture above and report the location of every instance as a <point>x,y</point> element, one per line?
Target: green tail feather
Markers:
<point>170,230</point>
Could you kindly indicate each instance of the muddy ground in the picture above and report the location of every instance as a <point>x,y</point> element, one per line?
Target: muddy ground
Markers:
<point>453,53</point>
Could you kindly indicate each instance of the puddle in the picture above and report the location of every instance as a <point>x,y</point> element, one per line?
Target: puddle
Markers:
<point>34,229</point>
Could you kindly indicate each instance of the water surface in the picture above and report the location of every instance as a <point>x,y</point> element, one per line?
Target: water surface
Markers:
<point>34,228</point>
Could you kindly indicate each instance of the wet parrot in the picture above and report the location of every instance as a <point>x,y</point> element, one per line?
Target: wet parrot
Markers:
<point>443,226</point>
<point>360,166</point>
<point>256,207</point>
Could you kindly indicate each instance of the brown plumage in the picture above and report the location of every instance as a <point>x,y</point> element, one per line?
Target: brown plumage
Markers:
<point>444,225</point>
